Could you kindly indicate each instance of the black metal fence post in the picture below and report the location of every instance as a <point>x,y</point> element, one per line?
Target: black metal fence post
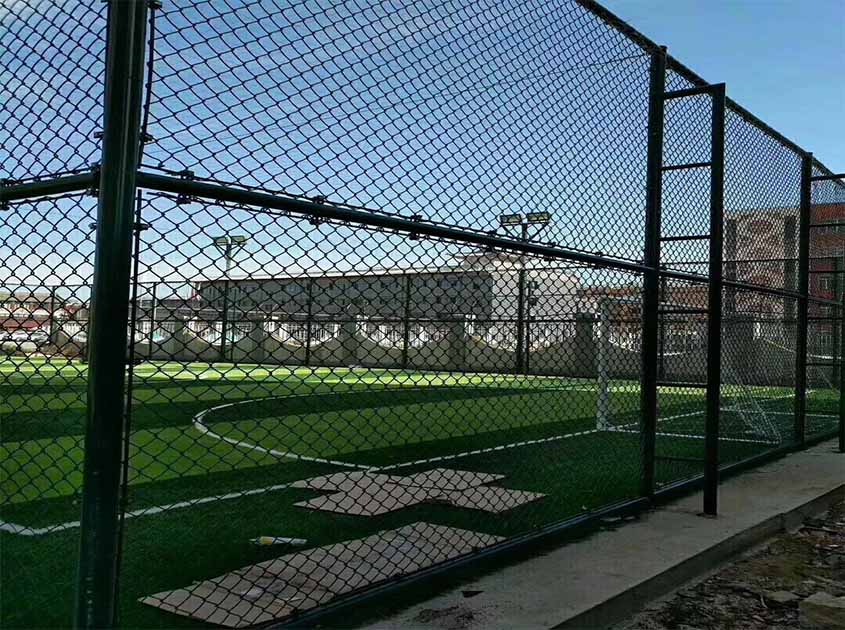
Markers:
<point>804,218</point>
<point>714,321</point>
<point>651,280</point>
<point>98,565</point>
<point>834,318</point>
<point>662,294</point>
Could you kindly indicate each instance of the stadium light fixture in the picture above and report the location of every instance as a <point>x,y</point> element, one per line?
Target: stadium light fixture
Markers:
<point>228,245</point>
<point>543,218</point>
<point>506,220</point>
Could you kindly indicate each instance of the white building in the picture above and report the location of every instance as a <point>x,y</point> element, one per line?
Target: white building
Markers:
<point>476,286</point>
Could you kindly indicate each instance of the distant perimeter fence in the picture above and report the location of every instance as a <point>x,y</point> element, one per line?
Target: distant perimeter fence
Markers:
<point>300,301</point>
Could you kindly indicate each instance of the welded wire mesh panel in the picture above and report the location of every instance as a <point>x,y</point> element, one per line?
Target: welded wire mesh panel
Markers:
<point>761,194</point>
<point>758,360</point>
<point>45,265</point>
<point>827,221</point>
<point>51,86</point>
<point>825,287</point>
<point>824,369</point>
<point>456,112</point>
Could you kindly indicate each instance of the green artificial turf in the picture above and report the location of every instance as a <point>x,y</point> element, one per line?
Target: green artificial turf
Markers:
<point>356,416</point>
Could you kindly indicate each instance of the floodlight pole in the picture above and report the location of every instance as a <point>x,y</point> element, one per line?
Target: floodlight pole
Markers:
<point>520,312</point>
<point>530,302</point>
<point>228,255</point>
<point>309,318</point>
<point>153,306</point>
<point>406,320</point>
<point>523,222</point>
<point>224,324</point>
<point>227,245</point>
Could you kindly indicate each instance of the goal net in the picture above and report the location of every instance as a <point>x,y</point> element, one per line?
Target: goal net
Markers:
<point>755,407</point>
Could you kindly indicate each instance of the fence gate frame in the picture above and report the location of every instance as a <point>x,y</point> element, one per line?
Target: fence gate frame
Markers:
<point>657,274</point>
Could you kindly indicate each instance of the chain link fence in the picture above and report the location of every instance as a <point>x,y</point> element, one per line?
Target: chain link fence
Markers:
<point>299,301</point>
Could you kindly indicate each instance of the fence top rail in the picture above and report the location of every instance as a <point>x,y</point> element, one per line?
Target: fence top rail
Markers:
<point>12,190</point>
<point>346,214</point>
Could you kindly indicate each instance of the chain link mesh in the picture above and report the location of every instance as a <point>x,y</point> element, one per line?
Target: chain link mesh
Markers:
<point>825,310</point>
<point>46,255</point>
<point>325,393</point>
<point>52,59</point>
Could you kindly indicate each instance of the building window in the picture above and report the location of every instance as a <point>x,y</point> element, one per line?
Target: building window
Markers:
<point>826,283</point>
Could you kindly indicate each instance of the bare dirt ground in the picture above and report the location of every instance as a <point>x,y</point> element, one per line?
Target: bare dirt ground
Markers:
<point>763,589</point>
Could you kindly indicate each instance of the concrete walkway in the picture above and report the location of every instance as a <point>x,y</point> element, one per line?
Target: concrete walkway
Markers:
<point>604,578</point>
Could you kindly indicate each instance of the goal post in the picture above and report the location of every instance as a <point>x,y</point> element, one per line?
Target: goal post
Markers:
<point>750,409</point>
<point>606,350</point>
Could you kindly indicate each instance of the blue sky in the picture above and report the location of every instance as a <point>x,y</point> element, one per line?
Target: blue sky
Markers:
<point>456,111</point>
<point>781,59</point>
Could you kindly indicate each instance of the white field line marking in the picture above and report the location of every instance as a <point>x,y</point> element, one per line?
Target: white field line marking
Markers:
<point>544,440</point>
<point>490,449</point>
<point>692,436</point>
<point>625,428</point>
<point>23,530</point>
<point>809,414</point>
<point>199,426</point>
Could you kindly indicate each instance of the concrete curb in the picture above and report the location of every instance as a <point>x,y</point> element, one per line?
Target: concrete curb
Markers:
<point>606,577</point>
<point>625,604</point>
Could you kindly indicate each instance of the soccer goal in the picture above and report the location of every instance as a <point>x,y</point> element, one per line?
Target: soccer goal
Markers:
<point>751,410</point>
